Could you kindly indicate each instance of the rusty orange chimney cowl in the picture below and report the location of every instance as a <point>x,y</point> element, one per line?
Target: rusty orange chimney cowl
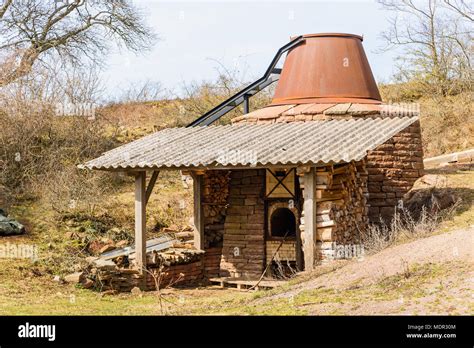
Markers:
<point>327,68</point>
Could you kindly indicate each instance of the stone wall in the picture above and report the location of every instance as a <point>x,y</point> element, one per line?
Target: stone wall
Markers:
<point>393,168</point>
<point>212,261</point>
<point>243,250</point>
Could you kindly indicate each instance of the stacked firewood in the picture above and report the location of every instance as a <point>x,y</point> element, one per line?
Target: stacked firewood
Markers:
<point>216,186</point>
<point>172,256</point>
<point>341,206</point>
<point>352,219</point>
<point>172,266</point>
<point>216,194</point>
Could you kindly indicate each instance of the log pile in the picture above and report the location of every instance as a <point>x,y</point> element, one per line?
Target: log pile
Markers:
<point>216,186</point>
<point>177,264</point>
<point>350,211</point>
<point>341,207</point>
<point>215,202</point>
<point>170,267</point>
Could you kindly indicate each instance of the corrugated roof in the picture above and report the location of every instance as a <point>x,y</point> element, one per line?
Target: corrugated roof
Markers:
<point>254,145</point>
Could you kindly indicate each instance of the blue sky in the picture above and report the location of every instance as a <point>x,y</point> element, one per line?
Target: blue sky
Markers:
<point>242,34</point>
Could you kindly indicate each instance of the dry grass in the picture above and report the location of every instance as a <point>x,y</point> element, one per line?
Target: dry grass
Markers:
<point>404,226</point>
<point>447,123</point>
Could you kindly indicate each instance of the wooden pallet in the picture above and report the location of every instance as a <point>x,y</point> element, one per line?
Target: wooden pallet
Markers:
<point>243,284</point>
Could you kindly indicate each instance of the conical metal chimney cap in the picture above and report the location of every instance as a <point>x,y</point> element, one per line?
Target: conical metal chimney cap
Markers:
<point>327,68</point>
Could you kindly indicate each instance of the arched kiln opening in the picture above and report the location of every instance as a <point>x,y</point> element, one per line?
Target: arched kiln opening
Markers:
<point>283,223</point>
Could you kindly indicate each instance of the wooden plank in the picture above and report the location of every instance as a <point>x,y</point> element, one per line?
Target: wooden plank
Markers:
<point>198,183</point>
<point>464,156</point>
<point>242,283</point>
<point>140,221</point>
<point>309,207</point>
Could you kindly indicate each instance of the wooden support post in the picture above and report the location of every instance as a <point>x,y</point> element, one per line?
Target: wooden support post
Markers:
<point>309,208</point>
<point>140,221</point>
<point>151,185</point>
<point>198,211</point>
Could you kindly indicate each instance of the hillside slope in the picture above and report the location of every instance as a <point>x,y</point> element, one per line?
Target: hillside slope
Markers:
<point>432,275</point>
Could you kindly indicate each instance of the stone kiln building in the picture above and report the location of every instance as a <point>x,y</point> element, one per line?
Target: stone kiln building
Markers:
<point>295,180</point>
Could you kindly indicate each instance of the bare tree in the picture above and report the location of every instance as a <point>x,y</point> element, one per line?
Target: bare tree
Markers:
<point>35,31</point>
<point>437,40</point>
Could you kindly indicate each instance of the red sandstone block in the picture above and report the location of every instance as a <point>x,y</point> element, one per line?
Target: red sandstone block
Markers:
<point>240,210</point>
<point>257,180</point>
<point>387,211</point>
<point>374,210</point>
<point>254,226</point>
<point>234,237</point>
<point>256,218</point>
<point>375,171</point>
<point>383,148</point>
<point>393,172</point>
<point>378,177</point>
<point>249,172</point>
<point>236,174</point>
<point>378,195</point>
<point>254,238</point>
<point>235,218</point>
<point>249,231</point>
<point>377,152</point>
<point>252,190</point>
<point>374,188</point>
<point>233,231</point>
<point>247,181</point>
<point>250,201</point>
<point>232,226</point>
<point>234,190</point>
<point>410,173</point>
<point>407,146</point>
<point>395,182</point>
<point>233,201</point>
<point>382,202</point>
<point>256,247</point>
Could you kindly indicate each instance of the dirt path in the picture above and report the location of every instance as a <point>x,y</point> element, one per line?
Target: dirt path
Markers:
<point>457,245</point>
